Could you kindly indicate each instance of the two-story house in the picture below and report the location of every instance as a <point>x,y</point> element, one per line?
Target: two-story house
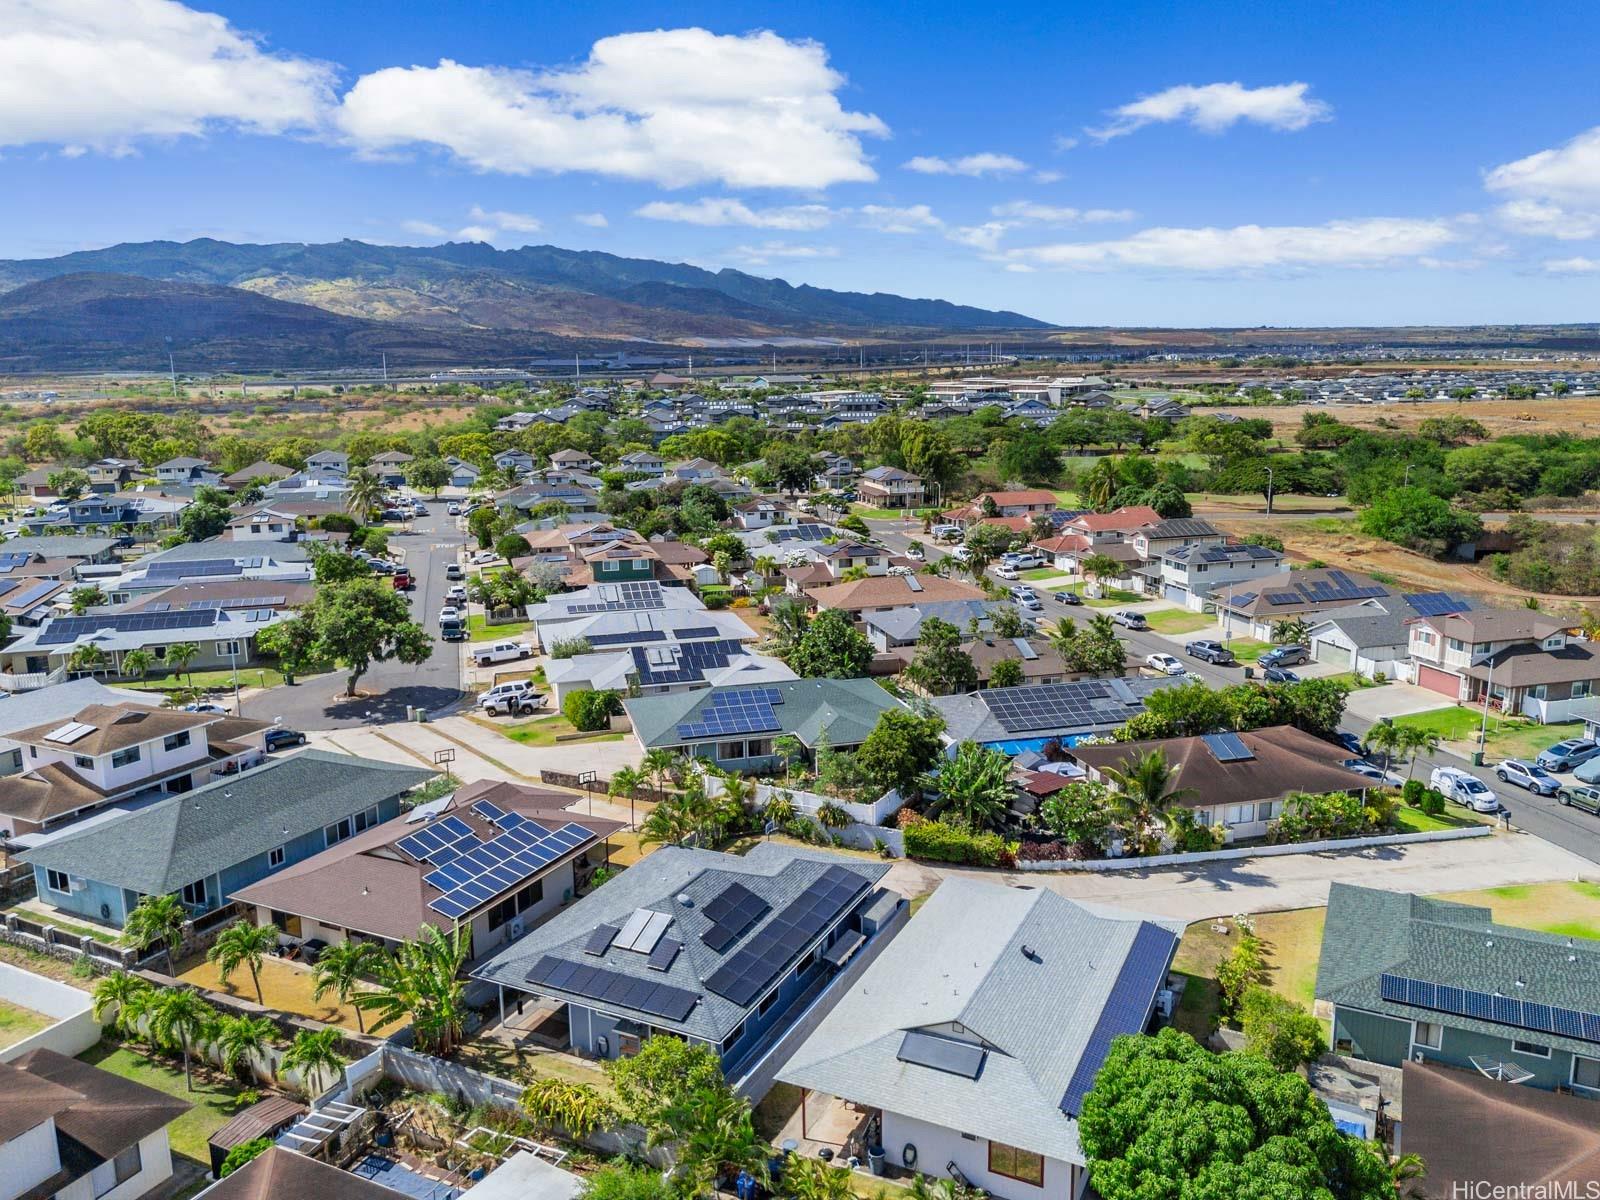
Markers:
<point>890,487</point>
<point>621,562</point>
<point>206,844</point>
<point>1525,661</point>
<point>1089,534</point>
<point>187,471</point>
<point>1190,573</point>
<point>760,513</point>
<point>514,462</point>
<point>111,474</point>
<point>390,467</point>
<point>643,462</point>
<point>695,470</point>
<point>265,524</point>
<point>105,753</point>
<point>575,460</point>
<point>332,462</point>
<point>1407,978</point>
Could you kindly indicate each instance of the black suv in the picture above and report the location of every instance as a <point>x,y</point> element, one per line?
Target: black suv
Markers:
<point>1212,652</point>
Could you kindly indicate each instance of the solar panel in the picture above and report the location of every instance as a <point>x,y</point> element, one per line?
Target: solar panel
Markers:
<point>72,731</point>
<point>61,630</point>
<point>747,973</point>
<point>614,988</point>
<point>1227,747</point>
<point>1437,604</point>
<point>1491,1006</point>
<point>489,812</point>
<point>1084,704</point>
<point>941,1054</point>
<point>600,940</point>
<point>738,710</point>
<point>504,862</point>
<point>1126,1009</point>
<point>731,912</point>
<point>1025,649</point>
<point>665,952</point>
<point>33,594</point>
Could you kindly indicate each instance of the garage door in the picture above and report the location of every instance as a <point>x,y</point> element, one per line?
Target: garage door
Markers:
<point>1330,653</point>
<point>1439,681</point>
<point>1176,594</point>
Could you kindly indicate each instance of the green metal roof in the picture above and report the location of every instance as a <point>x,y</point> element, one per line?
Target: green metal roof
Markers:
<point>842,710</point>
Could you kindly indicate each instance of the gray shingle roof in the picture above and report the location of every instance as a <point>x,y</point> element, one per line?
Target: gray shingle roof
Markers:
<point>163,846</point>
<point>842,710</point>
<point>61,700</point>
<point>961,959</point>
<point>777,874</point>
<point>1371,932</point>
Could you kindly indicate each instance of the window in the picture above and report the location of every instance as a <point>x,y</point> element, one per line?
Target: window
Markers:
<point>1428,1035</point>
<point>337,832</point>
<point>758,748</point>
<point>83,762</point>
<point>57,881</point>
<point>1266,810</point>
<point>14,759</point>
<point>366,818</point>
<point>1580,689</point>
<point>195,893</point>
<point>123,757</point>
<point>730,749</point>
<point>1585,1072</point>
<point>1240,814</point>
<point>229,649</point>
<point>1022,1165</point>
<point>275,858</point>
<point>530,895</point>
<point>176,741</point>
<point>1531,1049</point>
<point>732,1039</point>
<point>768,1002</point>
<point>118,1171</point>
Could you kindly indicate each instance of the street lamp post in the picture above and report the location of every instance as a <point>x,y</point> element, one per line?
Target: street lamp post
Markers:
<point>233,660</point>
<point>1405,480</point>
<point>1269,490</point>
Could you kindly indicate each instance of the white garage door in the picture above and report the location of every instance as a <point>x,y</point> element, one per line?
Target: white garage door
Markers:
<point>1330,653</point>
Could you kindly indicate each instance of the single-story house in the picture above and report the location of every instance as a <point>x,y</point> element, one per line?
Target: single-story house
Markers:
<point>1252,607</point>
<point>208,843</point>
<point>884,593</point>
<point>657,668</point>
<point>898,628</point>
<point>975,1035</point>
<point>1022,718</point>
<point>721,950</point>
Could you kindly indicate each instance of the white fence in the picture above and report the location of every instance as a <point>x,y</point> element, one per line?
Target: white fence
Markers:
<point>74,1028</point>
<point>29,681</point>
<point>1153,861</point>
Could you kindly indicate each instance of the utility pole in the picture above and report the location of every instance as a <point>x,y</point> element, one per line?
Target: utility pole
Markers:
<point>577,367</point>
<point>385,368</point>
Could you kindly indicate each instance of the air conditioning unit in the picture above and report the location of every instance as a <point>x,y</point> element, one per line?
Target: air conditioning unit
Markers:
<point>516,927</point>
<point>1164,1003</point>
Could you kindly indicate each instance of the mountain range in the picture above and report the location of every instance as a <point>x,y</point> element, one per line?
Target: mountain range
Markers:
<point>290,303</point>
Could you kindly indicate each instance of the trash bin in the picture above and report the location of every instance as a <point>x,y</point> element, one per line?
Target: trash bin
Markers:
<point>1249,672</point>
<point>1477,758</point>
<point>875,1159</point>
<point>411,713</point>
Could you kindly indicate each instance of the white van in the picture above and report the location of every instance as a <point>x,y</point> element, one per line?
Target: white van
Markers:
<point>496,652</point>
<point>1464,788</point>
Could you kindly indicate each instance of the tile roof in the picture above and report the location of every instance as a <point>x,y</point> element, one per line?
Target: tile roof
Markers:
<point>1129,518</point>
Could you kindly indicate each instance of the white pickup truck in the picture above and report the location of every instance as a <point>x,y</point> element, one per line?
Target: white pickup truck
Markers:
<point>496,652</point>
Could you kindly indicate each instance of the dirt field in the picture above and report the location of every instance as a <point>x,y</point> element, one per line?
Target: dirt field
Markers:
<point>1580,415</point>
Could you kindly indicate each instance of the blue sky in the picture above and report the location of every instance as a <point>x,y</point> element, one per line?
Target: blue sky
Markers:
<point>1247,164</point>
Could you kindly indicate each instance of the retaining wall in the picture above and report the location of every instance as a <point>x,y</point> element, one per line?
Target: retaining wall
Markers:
<point>74,1029</point>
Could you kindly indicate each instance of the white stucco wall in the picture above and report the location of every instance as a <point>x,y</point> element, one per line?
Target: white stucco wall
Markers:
<point>28,1160</point>
<point>155,1167</point>
<point>937,1146</point>
<point>74,1029</point>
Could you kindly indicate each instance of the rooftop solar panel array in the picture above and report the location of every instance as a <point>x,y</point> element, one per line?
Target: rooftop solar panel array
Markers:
<point>745,710</point>
<point>1437,604</point>
<point>1227,747</point>
<point>1126,1009</point>
<point>480,874</point>
<point>1337,587</point>
<point>1486,1006</point>
<point>31,594</point>
<point>69,629</point>
<point>426,843</point>
<point>11,560</point>
<point>941,1054</point>
<point>731,912</point>
<point>623,597</point>
<point>747,973</point>
<point>198,568</point>
<point>613,988</point>
<point>1084,704</point>
<point>686,662</point>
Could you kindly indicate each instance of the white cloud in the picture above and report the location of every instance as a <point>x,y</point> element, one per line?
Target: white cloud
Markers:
<point>1368,242</point>
<point>1572,266</point>
<point>915,218</point>
<point>594,220</point>
<point>105,74</point>
<point>675,107</point>
<point>986,163</point>
<point>724,211</point>
<point>1063,143</point>
<point>1568,176</point>
<point>980,237</point>
<point>424,228</point>
<point>768,252</point>
<point>511,222</point>
<point>1540,218</point>
<point>476,233</point>
<point>1214,107</point>
<point>1048,176</point>
<point>1052,214</point>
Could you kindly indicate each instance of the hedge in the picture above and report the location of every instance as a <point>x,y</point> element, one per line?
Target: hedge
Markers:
<point>938,842</point>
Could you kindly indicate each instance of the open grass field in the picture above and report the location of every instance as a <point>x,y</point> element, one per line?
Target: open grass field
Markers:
<point>1248,650</point>
<point>1178,620</point>
<point>479,631</point>
<point>17,1023</point>
<point>1566,909</point>
<point>542,731</point>
<point>1507,739</point>
<point>1043,575</point>
<point>1414,820</point>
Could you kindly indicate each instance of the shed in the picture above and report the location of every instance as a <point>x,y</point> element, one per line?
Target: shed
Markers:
<point>267,1118</point>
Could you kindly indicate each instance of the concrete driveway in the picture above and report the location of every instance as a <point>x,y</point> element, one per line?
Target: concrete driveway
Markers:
<point>1392,700</point>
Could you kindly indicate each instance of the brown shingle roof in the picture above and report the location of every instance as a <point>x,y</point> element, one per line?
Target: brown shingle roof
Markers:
<point>28,1101</point>
<point>280,1174</point>
<point>1527,664</point>
<point>892,591</point>
<point>116,727</point>
<point>111,1114</point>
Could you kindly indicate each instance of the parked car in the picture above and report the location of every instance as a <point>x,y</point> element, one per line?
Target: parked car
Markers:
<point>1165,663</point>
<point>1285,656</point>
<point>450,613</point>
<point>454,630</point>
<point>517,696</point>
<point>1526,775</point>
<point>396,514</point>
<point>454,571</point>
<point>495,652</point>
<point>1030,602</point>
<point>1006,571</point>
<point>1584,797</point>
<point>282,739</point>
<point>402,579</point>
<point>1212,652</point>
<point>380,566</point>
<point>456,594</point>
<point>1377,774</point>
<point>947,533</point>
<point>1070,598</point>
<point>205,706</point>
<point>1351,743</point>
<point>916,551</point>
<point>1023,592</point>
<point>419,509</point>
<point>1280,675</point>
<point>1564,756</point>
<point>1465,789</point>
<point>1024,560</point>
<point>1129,619</point>
<point>961,554</point>
<point>454,510</point>
<point>479,557</point>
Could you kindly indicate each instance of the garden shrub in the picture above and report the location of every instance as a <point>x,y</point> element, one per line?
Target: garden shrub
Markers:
<point>1412,792</point>
<point>941,842</point>
<point>592,710</point>
<point>1433,802</point>
<point>243,1153</point>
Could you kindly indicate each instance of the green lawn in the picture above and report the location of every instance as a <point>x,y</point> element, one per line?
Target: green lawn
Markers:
<point>543,730</point>
<point>868,513</point>
<point>1247,650</point>
<point>215,1103</point>
<point>1519,738</point>
<point>1112,597</point>
<point>1042,573</point>
<point>478,631</point>
<point>219,680</point>
<point>105,933</point>
<point>1178,620</point>
<point>1414,820</point>
<point>1353,680</point>
<point>1566,909</point>
<point>17,1023</point>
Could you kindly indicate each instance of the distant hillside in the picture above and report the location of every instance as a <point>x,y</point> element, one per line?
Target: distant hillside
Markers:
<point>104,320</point>
<point>536,289</point>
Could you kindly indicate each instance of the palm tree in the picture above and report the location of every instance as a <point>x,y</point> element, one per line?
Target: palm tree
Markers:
<point>129,994</point>
<point>1144,790</point>
<point>1385,736</point>
<point>340,968</point>
<point>625,781</point>
<point>660,764</point>
<point>1413,741</point>
<point>422,980</point>
<point>1102,627</point>
<point>1290,629</point>
<point>243,1040</point>
<point>179,1016</point>
<point>713,1136</point>
<point>243,944</point>
<point>313,1053</point>
<point>364,495</point>
<point>138,662</point>
<point>1407,1169</point>
<point>1589,624</point>
<point>1101,567</point>
<point>668,823</point>
<point>86,659</point>
<point>157,921</point>
<point>180,656</point>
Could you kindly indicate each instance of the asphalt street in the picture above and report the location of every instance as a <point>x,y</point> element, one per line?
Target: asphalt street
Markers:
<point>389,688</point>
<point>1543,816</point>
